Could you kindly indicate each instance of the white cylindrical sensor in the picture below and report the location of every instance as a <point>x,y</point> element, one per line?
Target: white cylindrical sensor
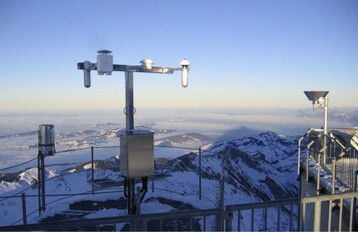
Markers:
<point>184,72</point>
<point>87,78</point>
<point>184,76</point>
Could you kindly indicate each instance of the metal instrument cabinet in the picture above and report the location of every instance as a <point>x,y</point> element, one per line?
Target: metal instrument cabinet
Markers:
<point>137,154</point>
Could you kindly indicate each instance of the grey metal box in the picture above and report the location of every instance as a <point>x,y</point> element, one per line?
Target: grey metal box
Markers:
<point>137,154</point>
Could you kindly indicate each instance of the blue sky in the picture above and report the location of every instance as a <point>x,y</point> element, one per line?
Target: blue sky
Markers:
<point>250,54</point>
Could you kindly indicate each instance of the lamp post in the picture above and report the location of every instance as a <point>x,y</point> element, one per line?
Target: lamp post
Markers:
<point>104,65</point>
<point>317,97</point>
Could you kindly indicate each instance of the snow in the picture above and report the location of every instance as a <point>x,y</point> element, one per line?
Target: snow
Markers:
<point>104,213</point>
<point>8,186</point>
<point>89,166</point>
<point>70,172</point>
<point>178,186</point>
<point>155,207</point>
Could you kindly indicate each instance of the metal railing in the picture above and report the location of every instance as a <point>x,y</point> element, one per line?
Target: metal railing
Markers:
<point>24,198</point>
<point>279,215</point>
<point>329,176</point>
<point>338,159</point>
<point>186,220</point>
<point>288,214</point>
<point>329,212</point>
<point>173,221</point>
<point>336,213</point>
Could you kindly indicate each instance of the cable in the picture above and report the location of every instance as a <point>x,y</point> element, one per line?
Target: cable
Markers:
<point>65,196</point>
<point>99,147</point>
<point>180,193</point>
<point>3,169</point>
<point>76,149</point>
<point>15,195</point>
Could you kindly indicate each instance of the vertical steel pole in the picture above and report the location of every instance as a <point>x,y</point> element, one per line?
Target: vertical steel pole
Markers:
<point>325,128</point>
<point>318,186</point>
<point>39,182</point>
<point>131,196</point>
<point>229,218</point>
<point>303,218</point>
<point>298,156</point>
<point>308,159</point>
<point>92,162</point>
<point>334,172</point>
<point>129,101</point>
<point>354,201</point>
<point>220,217</point>
<point>43,183</point>
<point>199,173</point>
<point>317,216</point>
<point>129,110</point>
<point>24,214</point>
<point>153,184</point>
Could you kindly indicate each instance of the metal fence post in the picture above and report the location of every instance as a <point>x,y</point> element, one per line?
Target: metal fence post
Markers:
<point>152,184</point>
<point>228,223</point>
<point>42,183</point>
<point>334,172</point>
<point>92,162</point>
<point>199,173</point>
<point>24,214</point>
<point>308,158</point>
<point>299,155</point>
<point>317,216</point>
<point>221,198</point>
<point>318,187</point>
<point>353,203</point>
<point>39,183</point>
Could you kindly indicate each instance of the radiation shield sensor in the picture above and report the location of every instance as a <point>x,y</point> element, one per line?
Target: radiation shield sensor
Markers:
<point>316,96</point>
<point>46,142</point>
<point>147,64</point>
<point>185,64</point>
<point>104,62</point>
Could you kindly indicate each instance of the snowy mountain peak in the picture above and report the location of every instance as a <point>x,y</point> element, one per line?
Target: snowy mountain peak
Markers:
<point>251,164</point>
<point>269,144</point>
<point>188,139</point>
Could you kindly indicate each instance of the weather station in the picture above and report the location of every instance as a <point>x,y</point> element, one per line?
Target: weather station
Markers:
<point>136,146</point>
